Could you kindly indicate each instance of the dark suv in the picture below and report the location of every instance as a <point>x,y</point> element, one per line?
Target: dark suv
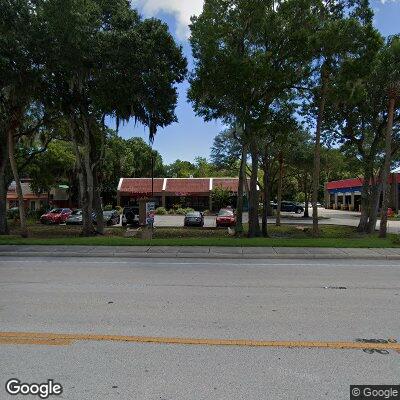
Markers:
<point>130,216</point>
<point>289,206</point>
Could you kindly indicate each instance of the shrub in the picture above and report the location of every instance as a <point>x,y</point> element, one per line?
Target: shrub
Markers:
<point>119,209</point>
<point>108,207</point>
<point>220,196</point>
<point>171,211</point>
<point>161,211</point>
<point>188,210</point>
<point>13,213</point>
<point>35,215</point>
<point>180,211</point>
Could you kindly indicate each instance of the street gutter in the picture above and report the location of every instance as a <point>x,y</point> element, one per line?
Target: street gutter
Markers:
<point>243,253</point>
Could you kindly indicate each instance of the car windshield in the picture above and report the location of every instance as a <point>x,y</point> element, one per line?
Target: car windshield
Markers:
<point>107,213</point>
<point>77,212</point>
<point>225,213</point>
<point>56,211</point>
<point>193,214</point>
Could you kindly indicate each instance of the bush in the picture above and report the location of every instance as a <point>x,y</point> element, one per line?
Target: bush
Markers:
<point>161,211</point>
<point>180,211</point>
<point>31,215</point>
<point>35,215</point>
<point>108,207</point>
<point>171,211</point>
<point>188,210</point>
<point>13,213</point>
<point>119,210</point>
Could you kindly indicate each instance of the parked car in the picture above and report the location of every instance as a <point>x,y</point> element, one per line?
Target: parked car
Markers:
<point>130,216</point>
<point>226,217</point>
<point>110,217</point>
<point>75,218</point>
<point>194,218</point>
<point>289,206</point>
<point>56,216</point>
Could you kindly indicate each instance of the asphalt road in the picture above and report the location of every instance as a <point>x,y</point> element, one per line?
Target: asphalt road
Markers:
<point>277,300</point>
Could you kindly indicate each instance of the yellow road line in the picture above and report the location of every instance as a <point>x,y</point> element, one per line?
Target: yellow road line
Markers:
<point>43,342</point>
<point>66,339</point>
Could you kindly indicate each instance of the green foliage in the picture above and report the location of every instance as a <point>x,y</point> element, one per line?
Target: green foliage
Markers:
<point>51,167</point>
<point>226,152</point>
<point>126,158</point>
<point>180,169</point>
<point>245,56</point>
<point>108,207</point>
<point>220,197</point>
<point>180,211</point>
<point>119,209</point>
<point>103,51</point>
<point>13,213</point>
<point>161,211</point>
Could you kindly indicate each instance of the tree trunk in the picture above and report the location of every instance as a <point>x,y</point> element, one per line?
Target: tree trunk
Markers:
<point>386,169</point>
<point>85,184</point>
<point>365,199</point>
<point>366,196</point>
<point>317,152</point>
<point>254,223</point>
<point>266,194</point>
<point>88,228</point>
<point>3,187</point>
<point>98,209</point>
<point>306,194</point>
<point>374,206</point>
<point>239,203</point>
<point>18,187</point>
<point>279,194</point>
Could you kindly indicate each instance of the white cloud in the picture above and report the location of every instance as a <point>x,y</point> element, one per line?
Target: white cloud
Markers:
<point>390,1</point>
<point>181,9</point>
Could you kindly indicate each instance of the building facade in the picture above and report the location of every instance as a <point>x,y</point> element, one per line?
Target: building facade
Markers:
<point>346,194</point>
<point>56,198</point>
<point>170,192</point>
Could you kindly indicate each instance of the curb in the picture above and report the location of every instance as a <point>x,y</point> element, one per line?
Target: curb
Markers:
<point>202,255</point>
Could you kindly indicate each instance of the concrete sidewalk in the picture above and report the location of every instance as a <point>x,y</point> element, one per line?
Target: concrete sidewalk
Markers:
<point>199,252</point>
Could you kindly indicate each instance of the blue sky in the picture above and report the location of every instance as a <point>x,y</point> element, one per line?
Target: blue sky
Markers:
<point>191,136</point>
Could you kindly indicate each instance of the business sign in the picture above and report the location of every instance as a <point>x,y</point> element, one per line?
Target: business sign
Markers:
<point>150,212</point>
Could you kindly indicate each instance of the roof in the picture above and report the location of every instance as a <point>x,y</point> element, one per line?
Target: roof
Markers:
<point>345,183</point>
<point>26,188</point>
<point>26,192</point>
<point>140,186</point>
<point>354,183</point>
<point>188,185</point>
<point>227,183</point>
<point>175,186</point>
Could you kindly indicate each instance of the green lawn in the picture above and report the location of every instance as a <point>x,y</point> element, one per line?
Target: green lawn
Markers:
<point>285,236</point>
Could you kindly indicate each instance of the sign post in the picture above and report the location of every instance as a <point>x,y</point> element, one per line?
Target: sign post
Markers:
<point>150,212</point>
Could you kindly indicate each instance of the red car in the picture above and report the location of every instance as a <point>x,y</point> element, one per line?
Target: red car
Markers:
<point>226,217</point>
<point>56,216</point>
